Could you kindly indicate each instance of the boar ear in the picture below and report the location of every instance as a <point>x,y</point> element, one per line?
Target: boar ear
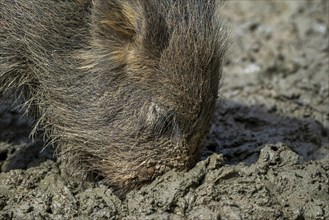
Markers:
<point>153,33</point>
<point>115,18</point>
<point>130,21</point>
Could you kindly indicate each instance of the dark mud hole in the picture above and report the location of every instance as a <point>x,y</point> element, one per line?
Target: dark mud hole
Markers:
<point>266,156</point>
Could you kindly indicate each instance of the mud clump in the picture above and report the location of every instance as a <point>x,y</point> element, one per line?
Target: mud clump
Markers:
<point>212,190</point>
<point>125,89</point>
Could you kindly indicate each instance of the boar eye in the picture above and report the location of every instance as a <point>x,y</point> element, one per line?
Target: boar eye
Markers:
<point>165,124</point>
<point>161,121</point>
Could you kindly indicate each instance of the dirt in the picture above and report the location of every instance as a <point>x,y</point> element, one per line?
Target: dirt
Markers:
<point>266,157</point>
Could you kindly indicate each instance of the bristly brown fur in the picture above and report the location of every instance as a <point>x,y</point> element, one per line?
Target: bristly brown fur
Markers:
<point>125,88</point>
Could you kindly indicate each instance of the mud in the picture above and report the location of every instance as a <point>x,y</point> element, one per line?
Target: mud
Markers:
<point>267,156</point>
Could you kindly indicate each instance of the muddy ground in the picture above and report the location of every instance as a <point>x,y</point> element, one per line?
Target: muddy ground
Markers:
<point>267,156</point>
